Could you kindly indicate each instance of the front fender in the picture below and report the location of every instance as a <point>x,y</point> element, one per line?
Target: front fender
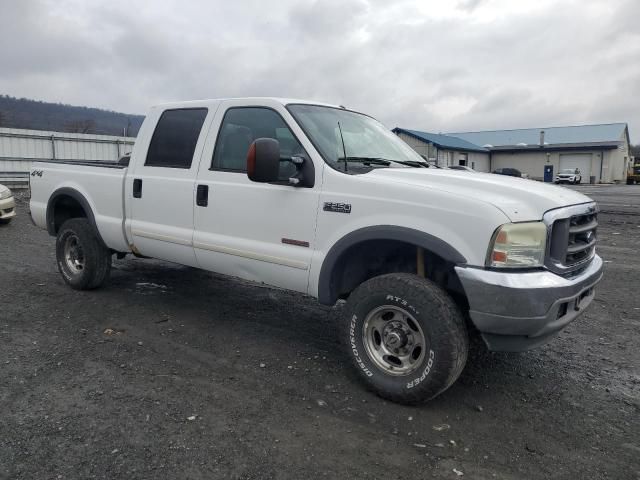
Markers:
<point>326,291</point>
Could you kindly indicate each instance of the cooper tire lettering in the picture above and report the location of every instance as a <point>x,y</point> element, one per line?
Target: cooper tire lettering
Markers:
<point>426,371</point>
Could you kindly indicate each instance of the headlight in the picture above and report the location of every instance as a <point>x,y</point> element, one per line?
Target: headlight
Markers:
<point>518,245</point>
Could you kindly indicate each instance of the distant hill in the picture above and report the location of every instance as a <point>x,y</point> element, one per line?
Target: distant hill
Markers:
<point>36,115</point>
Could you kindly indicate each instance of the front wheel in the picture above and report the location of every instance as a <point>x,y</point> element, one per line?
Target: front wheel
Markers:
<point>83,261</point>
<point>406,337</point>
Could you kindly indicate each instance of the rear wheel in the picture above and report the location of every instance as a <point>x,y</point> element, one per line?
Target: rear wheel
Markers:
<point>406,337</point>
<point>83,261</point>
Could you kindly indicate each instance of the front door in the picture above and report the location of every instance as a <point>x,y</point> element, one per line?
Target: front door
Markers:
<point>257,231</point>
<point>162,187</point>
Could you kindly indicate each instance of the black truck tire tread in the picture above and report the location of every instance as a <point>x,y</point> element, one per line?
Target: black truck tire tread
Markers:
<point>447,327</point>
<point>97,256</point>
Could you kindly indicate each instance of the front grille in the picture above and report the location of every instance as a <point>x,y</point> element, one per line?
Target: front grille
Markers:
<point>582,238</point>
<point>572,240</point>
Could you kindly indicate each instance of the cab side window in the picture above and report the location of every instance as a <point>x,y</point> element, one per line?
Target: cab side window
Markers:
<point>241,126</point>
<point>175,137</point>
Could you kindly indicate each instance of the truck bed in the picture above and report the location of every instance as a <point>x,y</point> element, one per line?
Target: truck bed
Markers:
<point>100,183</point>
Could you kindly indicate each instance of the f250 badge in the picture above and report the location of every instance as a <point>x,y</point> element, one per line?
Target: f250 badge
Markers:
<point>36,173</point>
<point>337,207</point>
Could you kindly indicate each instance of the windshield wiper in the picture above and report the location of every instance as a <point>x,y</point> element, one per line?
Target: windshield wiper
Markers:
<point>413,163</point>
<point>384,161</point>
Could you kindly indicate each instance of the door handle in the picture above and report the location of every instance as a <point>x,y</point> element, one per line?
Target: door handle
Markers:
<point>137,188</point>
<point>202,195</point>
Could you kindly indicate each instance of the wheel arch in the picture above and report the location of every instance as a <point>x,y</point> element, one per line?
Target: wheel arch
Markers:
<point>66,203</point>
<point>334,261</point>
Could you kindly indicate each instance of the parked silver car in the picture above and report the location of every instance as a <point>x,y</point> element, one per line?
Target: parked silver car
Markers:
<point>7,205</point>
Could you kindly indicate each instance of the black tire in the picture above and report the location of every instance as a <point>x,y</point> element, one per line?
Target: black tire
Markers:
<point>94,266</point>
<point>441,324</point>
<point>5,221</point>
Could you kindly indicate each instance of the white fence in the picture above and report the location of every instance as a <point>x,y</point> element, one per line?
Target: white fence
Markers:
<point>18,148</point>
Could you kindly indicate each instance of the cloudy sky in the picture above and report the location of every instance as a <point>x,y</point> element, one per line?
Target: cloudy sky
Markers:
<point>430,65</point>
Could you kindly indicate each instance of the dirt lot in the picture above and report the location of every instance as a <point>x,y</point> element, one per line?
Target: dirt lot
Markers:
<point>209,377</point>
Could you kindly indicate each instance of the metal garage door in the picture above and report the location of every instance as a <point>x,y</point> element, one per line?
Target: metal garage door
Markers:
<point>577,160</point>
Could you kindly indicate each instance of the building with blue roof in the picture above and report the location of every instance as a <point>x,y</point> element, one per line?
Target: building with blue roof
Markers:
<point>446,150</point>
<point>601,152</point>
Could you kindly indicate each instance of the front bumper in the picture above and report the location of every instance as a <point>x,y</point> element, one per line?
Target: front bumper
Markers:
<point>518,311</point>
<point>7,208</point>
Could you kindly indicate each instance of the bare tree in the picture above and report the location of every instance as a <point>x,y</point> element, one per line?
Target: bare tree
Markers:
<point>80,126</point>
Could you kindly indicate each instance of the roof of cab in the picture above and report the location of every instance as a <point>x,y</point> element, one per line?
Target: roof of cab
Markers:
<point>248,100</point>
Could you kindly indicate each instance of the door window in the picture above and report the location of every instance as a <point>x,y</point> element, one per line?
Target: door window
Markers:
<point>175,137</point>
<point>241,126</point>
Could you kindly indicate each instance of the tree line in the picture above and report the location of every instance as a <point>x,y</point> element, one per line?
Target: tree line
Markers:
<point>58,117</point>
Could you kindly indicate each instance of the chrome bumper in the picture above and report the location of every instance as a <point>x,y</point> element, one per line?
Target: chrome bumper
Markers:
<point>518,311</point>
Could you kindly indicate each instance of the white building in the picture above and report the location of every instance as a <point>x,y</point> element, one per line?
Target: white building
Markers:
<point>601,152</point>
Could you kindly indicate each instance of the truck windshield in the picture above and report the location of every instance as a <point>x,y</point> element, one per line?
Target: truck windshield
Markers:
<point>367,143</point>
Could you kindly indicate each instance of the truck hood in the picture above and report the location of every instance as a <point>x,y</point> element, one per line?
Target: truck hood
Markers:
<point>518,198</point>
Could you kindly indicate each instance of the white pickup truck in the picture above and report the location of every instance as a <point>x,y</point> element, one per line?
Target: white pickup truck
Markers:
<point>328,202</point>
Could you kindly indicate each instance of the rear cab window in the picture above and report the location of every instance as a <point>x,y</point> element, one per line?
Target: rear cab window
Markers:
<point>174,140</point>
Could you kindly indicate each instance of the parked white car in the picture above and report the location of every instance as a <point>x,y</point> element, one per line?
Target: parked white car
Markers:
<point>569,175</point>
<point>7,205</point>
<point>328,202</point>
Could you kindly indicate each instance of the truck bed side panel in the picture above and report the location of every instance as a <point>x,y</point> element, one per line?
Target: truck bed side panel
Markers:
<point>101,186</point>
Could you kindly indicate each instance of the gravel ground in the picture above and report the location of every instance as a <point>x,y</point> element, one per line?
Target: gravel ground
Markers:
<point>171,372</point>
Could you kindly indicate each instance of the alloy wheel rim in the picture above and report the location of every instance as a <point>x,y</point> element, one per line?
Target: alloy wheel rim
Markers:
<point>74,255</point>
<point>393,340</point>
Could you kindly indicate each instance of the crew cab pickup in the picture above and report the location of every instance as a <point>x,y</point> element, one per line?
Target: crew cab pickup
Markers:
<point>328,202</point>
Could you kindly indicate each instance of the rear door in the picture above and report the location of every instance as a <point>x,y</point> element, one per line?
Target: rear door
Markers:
<point>162,185</point>
<point>258,231</point>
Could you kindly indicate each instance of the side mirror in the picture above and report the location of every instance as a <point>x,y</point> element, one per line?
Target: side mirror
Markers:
<point>263,160</point>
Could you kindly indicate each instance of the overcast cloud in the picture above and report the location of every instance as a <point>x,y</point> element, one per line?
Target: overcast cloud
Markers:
<point>429,65</point>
